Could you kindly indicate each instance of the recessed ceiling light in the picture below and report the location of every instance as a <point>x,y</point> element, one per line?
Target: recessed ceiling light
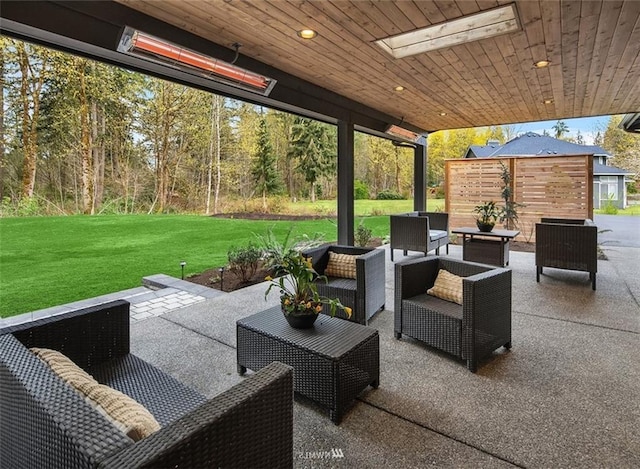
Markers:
<point>462,30</point>
<point>399,88</point>
<point>547,101</point>
<point>307,33</point>
<point>542,63</point>
<point>443,113</point>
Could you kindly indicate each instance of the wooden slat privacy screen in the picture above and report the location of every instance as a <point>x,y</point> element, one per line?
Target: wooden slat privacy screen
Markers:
<point>557,187</point>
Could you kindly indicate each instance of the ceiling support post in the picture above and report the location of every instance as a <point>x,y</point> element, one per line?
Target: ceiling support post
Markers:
<point>420,177</point>
<point>345,183</point>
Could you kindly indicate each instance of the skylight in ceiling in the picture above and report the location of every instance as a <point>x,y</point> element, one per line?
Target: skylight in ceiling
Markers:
<point>466,29</point>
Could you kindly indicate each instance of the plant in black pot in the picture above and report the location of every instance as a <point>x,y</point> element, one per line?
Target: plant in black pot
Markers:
<point>299,298</point>
<point>487,214</point>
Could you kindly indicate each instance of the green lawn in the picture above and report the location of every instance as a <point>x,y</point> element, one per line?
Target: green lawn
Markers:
<point>630,210</point>
<point>361,207</point>
<point>48,261</point>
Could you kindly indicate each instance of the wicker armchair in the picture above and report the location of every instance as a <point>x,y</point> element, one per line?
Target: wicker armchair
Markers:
<point>46,424</point>
<point>469,331</point>
<point>419,231</point>
<point>570,244</point>
<point>365,294</point>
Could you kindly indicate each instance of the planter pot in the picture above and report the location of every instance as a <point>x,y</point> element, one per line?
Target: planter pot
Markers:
<point>301,321</point>
<point>485,227</point>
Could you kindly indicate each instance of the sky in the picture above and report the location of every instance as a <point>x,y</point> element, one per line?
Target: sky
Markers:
<point>588,127</point>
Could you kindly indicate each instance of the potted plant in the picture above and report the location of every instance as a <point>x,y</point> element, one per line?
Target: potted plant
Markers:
<point>299,296</point>
<point>487,213</point>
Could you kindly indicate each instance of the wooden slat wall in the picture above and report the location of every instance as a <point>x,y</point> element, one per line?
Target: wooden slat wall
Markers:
<point>558,187</point>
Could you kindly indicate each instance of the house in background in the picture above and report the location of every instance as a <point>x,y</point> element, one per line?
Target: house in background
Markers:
<point>609,182</point>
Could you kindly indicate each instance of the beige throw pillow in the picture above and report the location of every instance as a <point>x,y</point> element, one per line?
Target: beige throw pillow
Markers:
<point>129,416</point>
<point>341,265</point>
<point>447,287</point>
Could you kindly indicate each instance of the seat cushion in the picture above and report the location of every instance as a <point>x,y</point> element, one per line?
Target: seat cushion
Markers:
<point>437,234</point>
<point>447,287</point>
<point>341,265</point>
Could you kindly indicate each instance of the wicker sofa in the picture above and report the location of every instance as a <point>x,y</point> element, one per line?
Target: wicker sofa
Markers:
<point>365,294</point>
<point>567,243</point>
<point>469,331</point>
<point>46,424</point>
<point>419,231</point>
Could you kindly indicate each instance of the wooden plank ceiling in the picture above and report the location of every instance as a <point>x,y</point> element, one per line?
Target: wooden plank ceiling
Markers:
<point>593,46</point>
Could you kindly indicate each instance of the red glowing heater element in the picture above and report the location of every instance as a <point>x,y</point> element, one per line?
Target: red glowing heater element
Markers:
<point>144,45</point>
<point>398,131</point>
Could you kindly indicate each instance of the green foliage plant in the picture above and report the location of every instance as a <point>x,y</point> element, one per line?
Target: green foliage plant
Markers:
<point>609,207</point>
<point>388,195</point>
<point>362,236</point>
<point>360,190</point>
<point>274,251</point>
<point>487,212</point>
<point>24,207</point>
<point>509,212</point>
<point>297,284</point>
<point>243,261</point>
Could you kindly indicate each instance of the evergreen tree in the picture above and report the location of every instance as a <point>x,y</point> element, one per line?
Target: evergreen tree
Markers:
<point>315,148</point>
<point>560,128</point>
<point>265,172</point>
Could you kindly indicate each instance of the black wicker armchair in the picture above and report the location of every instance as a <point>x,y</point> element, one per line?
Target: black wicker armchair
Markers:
<point>419,231</point>
<point>365,294</point>
<point>46,424</point>
<point>570,244</point>
<point>469,331</point>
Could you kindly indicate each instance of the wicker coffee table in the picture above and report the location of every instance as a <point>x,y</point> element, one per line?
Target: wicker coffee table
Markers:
<point>333,361</point>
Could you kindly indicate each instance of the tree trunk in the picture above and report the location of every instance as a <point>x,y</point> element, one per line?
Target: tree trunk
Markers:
<point>98,151</point>
<point>2,87</point>
<point>85,145</point>
<point>29,127</point>
<point>312,195</point>
<point>397,168</point>
<point>216,198</point>
<point>213,138</point>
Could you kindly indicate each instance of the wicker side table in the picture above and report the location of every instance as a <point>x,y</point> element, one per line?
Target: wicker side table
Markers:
<point>486,247</point>
<point>333,361</point>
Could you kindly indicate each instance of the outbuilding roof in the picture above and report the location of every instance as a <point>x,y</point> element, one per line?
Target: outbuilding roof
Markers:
<point>533,144</point>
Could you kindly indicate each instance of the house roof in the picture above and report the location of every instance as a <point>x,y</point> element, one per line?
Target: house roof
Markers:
<point>603,170</point>
<point>533,144</point>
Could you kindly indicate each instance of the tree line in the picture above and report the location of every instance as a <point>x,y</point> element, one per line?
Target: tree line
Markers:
<point>80,136</point>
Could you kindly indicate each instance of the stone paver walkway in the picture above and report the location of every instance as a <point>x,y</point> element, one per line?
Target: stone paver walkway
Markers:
<point>159,294</point>
<point>158,305</point>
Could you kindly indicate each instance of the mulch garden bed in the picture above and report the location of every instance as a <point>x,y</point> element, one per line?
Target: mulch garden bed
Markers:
<point>228,281</point>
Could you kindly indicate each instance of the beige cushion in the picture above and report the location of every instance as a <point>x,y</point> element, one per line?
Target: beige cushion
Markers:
<point>341,265</point>
<point>447,287</point>
<point>129,416</point>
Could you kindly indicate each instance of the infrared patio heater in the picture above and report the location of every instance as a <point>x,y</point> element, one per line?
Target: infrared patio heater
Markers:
<point>146,46</point>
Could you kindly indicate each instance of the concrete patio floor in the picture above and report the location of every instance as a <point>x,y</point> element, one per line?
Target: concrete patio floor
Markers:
<point>566,395</point>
